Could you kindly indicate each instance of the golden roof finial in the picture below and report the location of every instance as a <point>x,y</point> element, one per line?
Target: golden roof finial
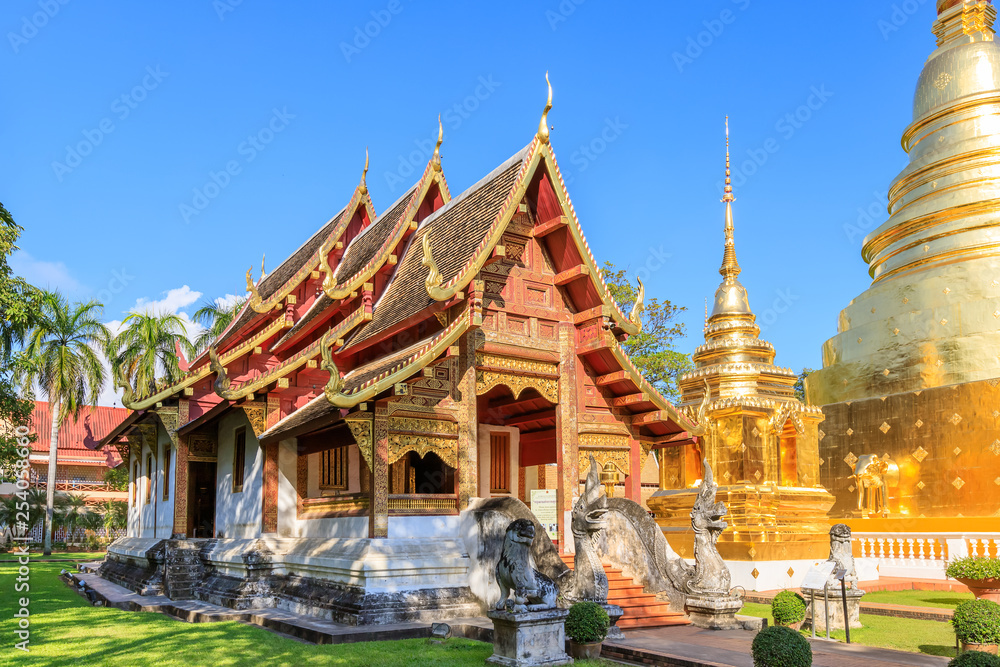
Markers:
<point>543,124</point>
<point>436,159</point>
<point>364,174</point>
<point>706,312</point>
<point>263,256</point>
<point>730,267</point>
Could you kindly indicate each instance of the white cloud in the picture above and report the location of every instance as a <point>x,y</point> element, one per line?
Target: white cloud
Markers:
<point>172,301</point>
<point>47,275</point>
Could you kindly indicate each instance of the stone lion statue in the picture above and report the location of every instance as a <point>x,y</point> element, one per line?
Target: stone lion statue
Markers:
<point>522,588</point>
<point>840,553</point>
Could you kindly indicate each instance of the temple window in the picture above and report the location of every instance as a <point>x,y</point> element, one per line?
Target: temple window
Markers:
<point>166,473</point>
<point>149,478</point>
<point>135,482</point>
<point>239,459</point>
<point>333,469</point>
<point>499,462</point>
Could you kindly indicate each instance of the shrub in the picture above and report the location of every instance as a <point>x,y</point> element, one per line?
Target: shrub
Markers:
<point>587,622</point>
<point>974,568</point>
<point>788,607</point>
<point>975,659</point>
<point>977,622</point>
<point>778,646</point>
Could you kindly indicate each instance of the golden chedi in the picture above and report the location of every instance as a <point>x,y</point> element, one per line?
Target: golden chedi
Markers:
<point>761,442</point>
<point>912,376</point>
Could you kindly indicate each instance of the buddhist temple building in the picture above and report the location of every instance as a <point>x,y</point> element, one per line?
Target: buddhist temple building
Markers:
<point>911,382</point>
<point>760,440</point>
<point>394,368</point>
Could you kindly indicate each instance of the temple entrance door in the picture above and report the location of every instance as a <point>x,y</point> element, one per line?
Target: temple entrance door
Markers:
<point>789,472</point>
<point>201,498</point>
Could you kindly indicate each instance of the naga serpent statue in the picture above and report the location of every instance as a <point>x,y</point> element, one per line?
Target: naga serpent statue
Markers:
<point>711,576</point>
<point>589,582</point>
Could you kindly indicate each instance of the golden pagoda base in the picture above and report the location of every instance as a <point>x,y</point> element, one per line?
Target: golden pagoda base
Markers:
<point>775,533</point>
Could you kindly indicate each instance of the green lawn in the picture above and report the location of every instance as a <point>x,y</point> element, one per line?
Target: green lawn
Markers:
<point>940,599</point>
<point>66,630</point>
<point>904,634</point>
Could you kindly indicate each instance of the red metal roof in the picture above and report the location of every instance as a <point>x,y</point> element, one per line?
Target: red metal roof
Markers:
<point>78,438</point>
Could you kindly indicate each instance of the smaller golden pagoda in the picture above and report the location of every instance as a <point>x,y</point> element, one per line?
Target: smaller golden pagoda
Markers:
<point>761,441</point>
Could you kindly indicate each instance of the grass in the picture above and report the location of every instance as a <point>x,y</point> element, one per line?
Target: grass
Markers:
<point>939,599</point>
<point>66,630</point>
<point>902,634</point>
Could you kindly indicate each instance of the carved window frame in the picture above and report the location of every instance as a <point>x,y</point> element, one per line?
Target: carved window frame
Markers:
<point>239,458</point>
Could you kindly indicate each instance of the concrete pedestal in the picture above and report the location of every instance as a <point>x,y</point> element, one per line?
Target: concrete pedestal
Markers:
<point>836,609</point>
<point>614,614</point>
<point>714,613</point>
<point>529,639</point>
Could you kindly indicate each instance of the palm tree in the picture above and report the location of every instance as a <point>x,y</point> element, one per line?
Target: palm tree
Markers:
<point>60,358</point>
<point>147,346</point>
<point>115,513</point>
<point>215,316</point>
<point>74,510</point>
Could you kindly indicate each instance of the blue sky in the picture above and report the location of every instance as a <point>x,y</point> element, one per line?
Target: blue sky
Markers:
<point>121,119</point>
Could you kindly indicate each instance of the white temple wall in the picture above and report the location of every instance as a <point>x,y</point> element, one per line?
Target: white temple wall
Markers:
<point>238,514</point>
<point>132,523</point>
<point>163,510</point>
<point>147,490</point>
<point>426,527</point>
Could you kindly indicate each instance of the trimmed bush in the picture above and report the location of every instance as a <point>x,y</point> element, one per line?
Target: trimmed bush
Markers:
<point>975,659</point>
<point>778,646</point>
<point>977,622</point>
<point>974,568</point>
<point>587,623</point>
<point>788,607</point>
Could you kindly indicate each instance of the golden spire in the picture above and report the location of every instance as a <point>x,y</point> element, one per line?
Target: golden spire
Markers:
<point>436,159</point>
<point>364,175</point>
<point>543,124</point>
<point>262,258</point>
<point>730,267</point>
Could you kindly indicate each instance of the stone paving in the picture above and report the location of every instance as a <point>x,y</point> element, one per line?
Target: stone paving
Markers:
<point>682,646</point>
<point>688,646</point>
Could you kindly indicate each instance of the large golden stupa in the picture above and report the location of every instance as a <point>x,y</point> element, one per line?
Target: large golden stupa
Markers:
<point>760,440</point>
<point>912,376</point>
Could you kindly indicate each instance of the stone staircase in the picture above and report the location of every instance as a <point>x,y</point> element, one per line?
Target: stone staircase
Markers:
<point>183,569</point>
<point>640,609</point>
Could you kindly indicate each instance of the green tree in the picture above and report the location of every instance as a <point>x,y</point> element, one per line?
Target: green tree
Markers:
<point>800,384</point>
<point>117,478</point>
<point>215,317</point>
<point>147,349</point>
<point>18,304</point>
<point>115,514</point>
<point>60,358</point>
<point>652,350</point>
<point>74,509</point>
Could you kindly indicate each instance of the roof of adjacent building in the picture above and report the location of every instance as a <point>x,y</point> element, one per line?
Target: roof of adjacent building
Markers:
<point>79,437</point>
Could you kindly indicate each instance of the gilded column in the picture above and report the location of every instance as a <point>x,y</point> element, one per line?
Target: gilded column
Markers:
<point>180,477</point>
<point>378,524</point>
<point>567,455</point>
<point>633,483</point>
<point>468,422</point>
<point>270,499</point>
